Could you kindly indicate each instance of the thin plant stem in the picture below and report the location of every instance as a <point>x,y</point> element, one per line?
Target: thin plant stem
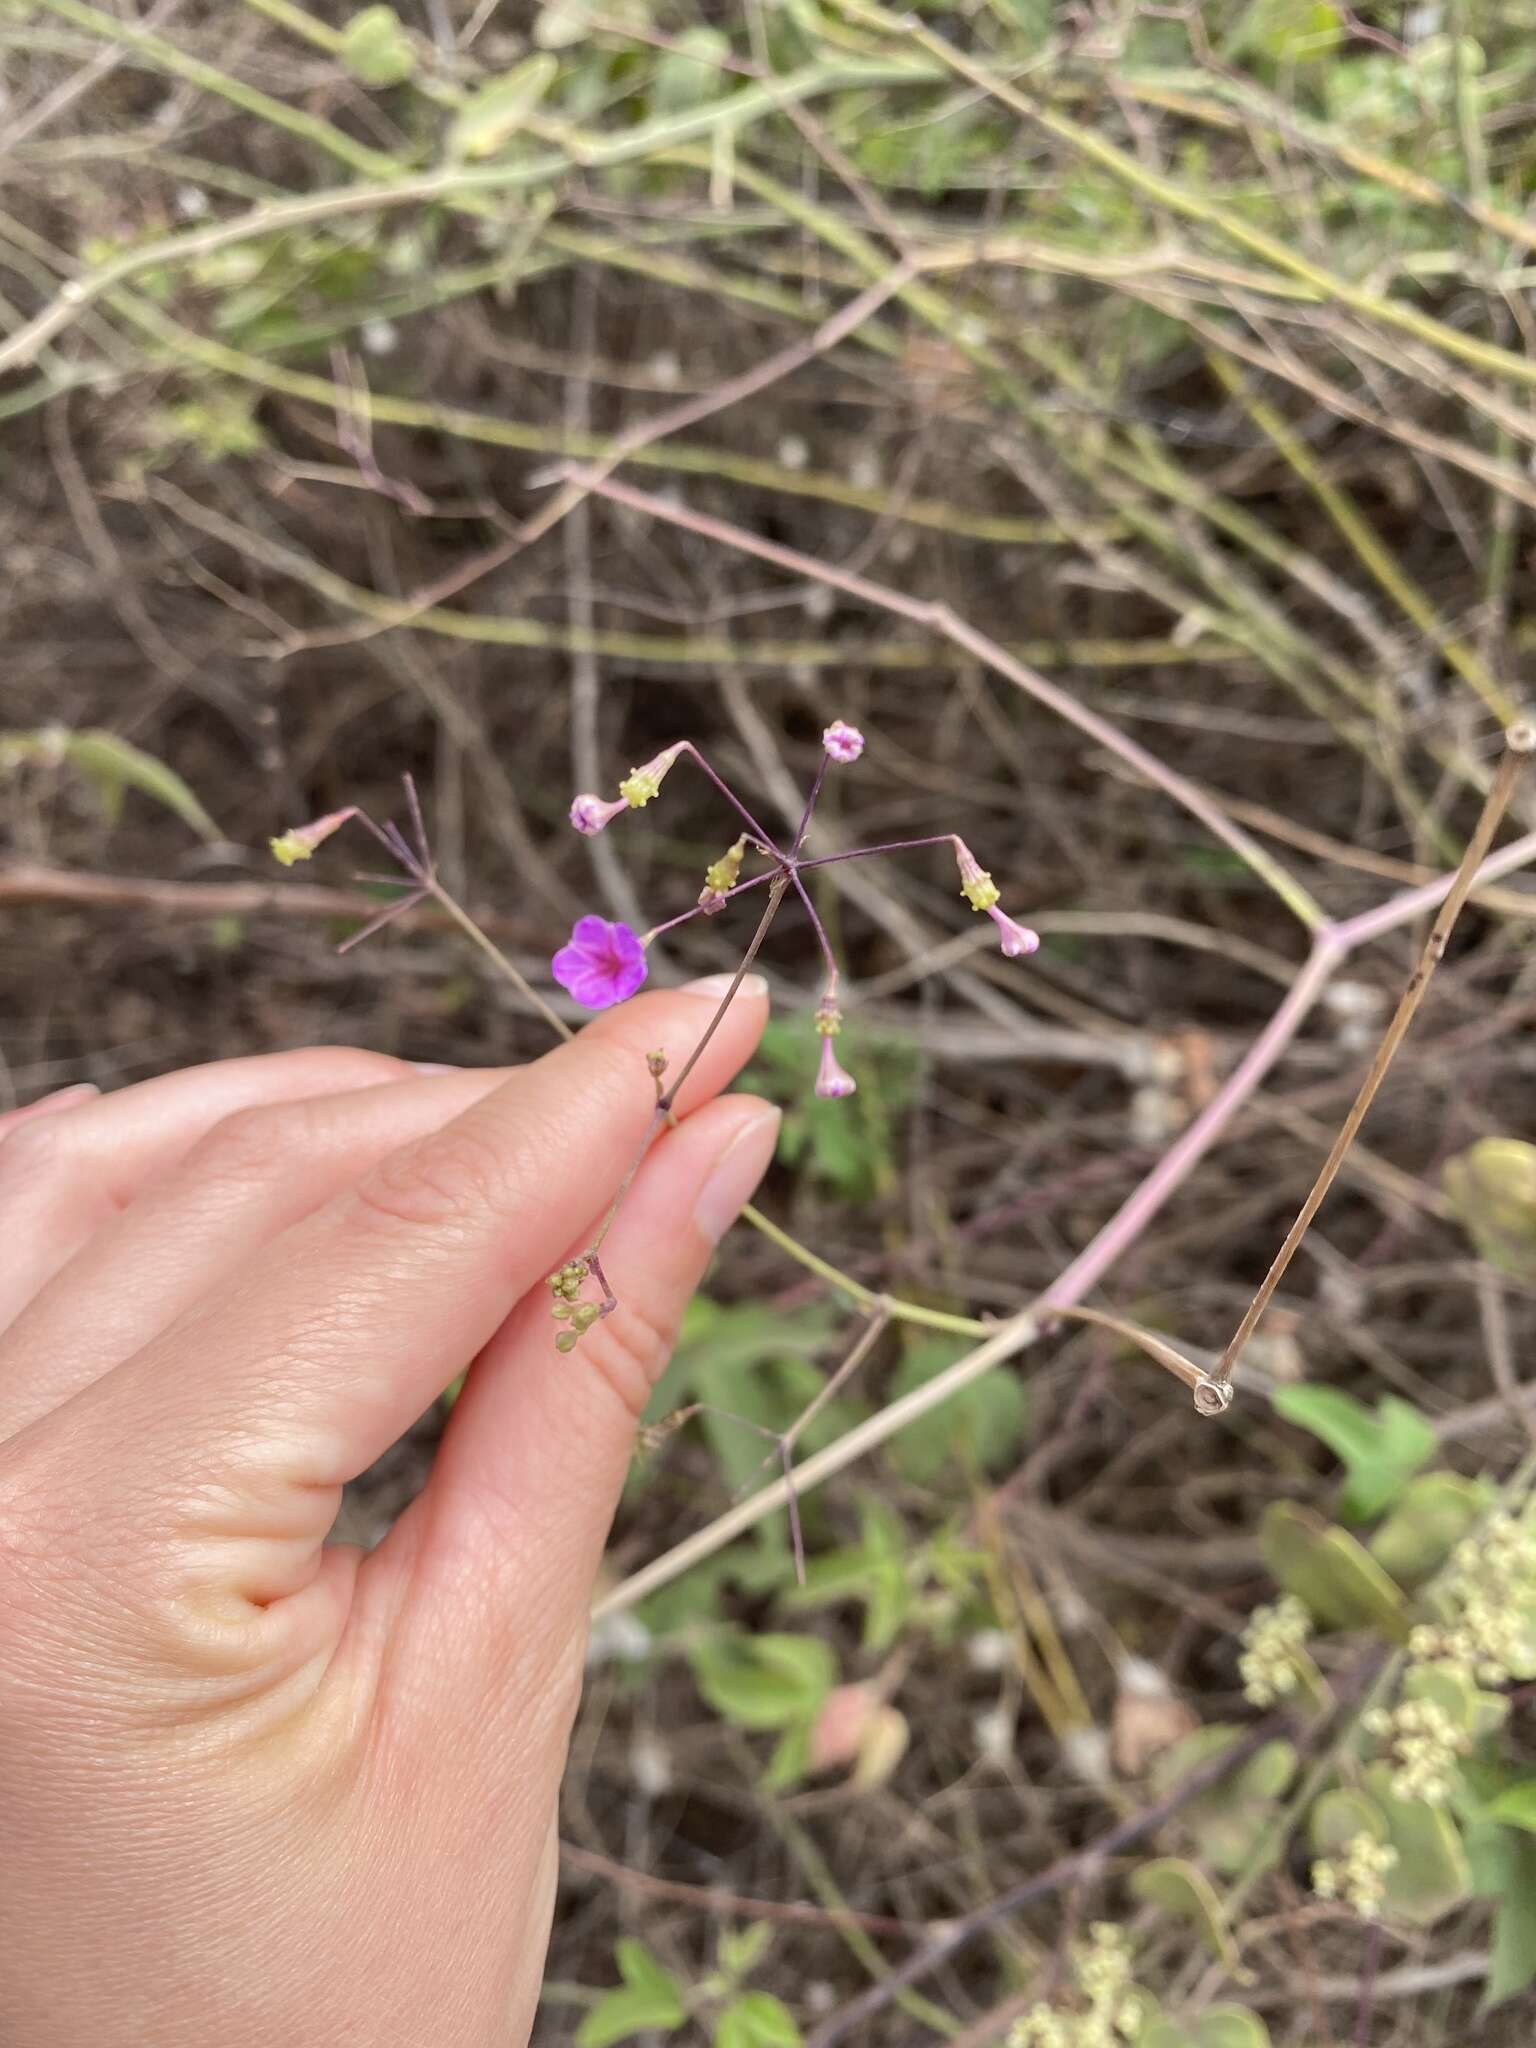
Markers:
<point>1009,1339</point>
<point>1519,742</point>
<point>498,959</point>
<point>939,618</point>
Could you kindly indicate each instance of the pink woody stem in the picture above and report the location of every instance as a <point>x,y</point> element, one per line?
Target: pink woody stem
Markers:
<point>1133,1216</point>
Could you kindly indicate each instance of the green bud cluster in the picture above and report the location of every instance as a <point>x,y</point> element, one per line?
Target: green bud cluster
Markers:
<point>1357,1875</point>
<point>568,1307</point>
<point>1271,1647</point>
<point>828,1019</point>
<point>1102,1970</point>
<point>1425,1743</point>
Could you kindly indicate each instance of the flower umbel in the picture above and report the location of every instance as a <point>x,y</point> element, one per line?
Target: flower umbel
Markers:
<point>604,963</point>
<point>601,964</point>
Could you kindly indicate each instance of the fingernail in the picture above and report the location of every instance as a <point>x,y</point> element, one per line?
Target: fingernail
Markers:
<point>61,1098</point>
<point>433,1067</point>
<point>717,985</point>
<point>734,1177</point>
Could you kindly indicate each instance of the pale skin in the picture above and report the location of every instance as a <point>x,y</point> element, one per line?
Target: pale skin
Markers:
<point>255,1788</point>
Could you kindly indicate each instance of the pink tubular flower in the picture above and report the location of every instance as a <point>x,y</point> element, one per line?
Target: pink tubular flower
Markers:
<point>589,813</point>
<point>843,742</point>
<point>833,1080</point>
<point>602,965</point>
<point>300,841</point>
<point>1016,939</point>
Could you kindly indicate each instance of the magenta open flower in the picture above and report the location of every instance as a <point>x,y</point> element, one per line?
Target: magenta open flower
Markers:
<point>834,1078</point>
<point>1016,938</point>
<point>602,965</point>
<point>843,742</point>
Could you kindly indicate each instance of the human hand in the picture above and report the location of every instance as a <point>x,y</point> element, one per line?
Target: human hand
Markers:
<point>254,1790</point>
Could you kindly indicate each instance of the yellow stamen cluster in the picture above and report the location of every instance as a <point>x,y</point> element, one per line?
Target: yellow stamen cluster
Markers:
<point>979,890</point>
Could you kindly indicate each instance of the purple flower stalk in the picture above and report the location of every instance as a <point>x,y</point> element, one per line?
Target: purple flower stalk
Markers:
<point>602,964</point>
<point>833,1080</point>
<point>843,742</point>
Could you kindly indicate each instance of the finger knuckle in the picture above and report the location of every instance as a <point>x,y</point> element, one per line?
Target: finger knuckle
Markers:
<point>34,1157</point>
<point>627,1351</point>
<point>249,1144</point>
<point>443,1182</point>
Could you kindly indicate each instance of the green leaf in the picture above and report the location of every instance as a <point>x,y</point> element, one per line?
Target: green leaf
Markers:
<point>977,1430</point>
<point>1229,2026</point>
<point>1227,1818</point>
<point>1340,1583</point>
<point>756,2020</point>
<point>1431,1876</point>
<point>651,1997</point>
<point>489,118</point>
<point>876,1572</point>
<point>1287,31</point>
<point>1515,1806</point>
<point>1512,1961</point>
<point>111,766</point>
<point>690,71</point>
<point>763,1681</point>
<point>376,49</point>
<point>1436,1510</point>
<point>1180,1888</point>
<point>1338,1816</point>
<point>741,1949</point>
<point>1465,1704</point>
<point>1381,1452</point>
<point>754,1372</point>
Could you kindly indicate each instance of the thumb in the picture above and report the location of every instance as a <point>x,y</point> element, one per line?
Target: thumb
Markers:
<point>528,1475</point>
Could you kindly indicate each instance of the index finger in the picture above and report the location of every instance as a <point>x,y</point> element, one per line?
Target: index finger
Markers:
<point>308,1369</point>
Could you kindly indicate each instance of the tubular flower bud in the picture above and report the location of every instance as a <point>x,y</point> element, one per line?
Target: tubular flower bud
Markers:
<point>300,841</point>
<point>833,1079</point>
<point>721,877</point>
<point>641,784</point>
<point>1016,938</point>
<point>590,814</point>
